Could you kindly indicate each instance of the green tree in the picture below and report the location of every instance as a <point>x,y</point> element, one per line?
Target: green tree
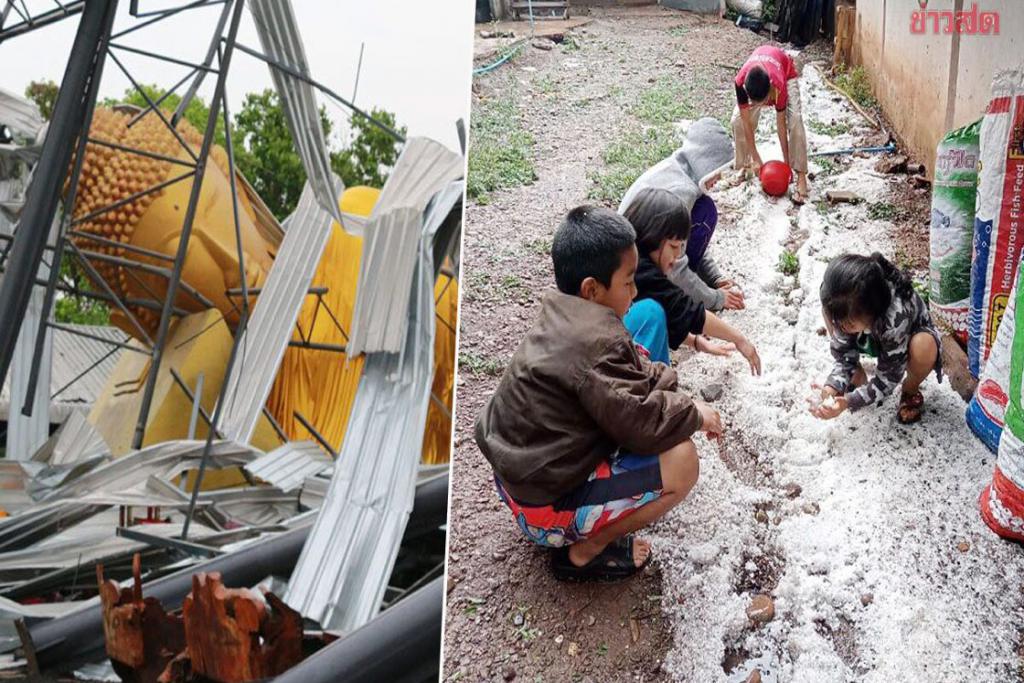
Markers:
<point>265,153</point>
<point>197,112</point>
<point>371,153</point>
<point>44,94</point>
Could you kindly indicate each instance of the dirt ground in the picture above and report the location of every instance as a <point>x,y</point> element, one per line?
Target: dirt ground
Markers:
<point>506,617</point>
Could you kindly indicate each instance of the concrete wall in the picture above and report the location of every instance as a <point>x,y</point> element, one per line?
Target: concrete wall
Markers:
<point>929,84</point>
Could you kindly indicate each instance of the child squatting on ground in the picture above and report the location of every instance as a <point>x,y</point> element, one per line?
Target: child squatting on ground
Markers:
<point>589,440</point>
<point>688,173</point>
<point>871,308</point>
<point>663,316</point>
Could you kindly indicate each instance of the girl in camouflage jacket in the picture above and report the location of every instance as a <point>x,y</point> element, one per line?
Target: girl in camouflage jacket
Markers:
<point>870,307</point>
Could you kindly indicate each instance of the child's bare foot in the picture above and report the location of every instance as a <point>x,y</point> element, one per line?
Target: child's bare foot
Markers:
<point>911,406</point>
<point>583,553</point>
<point>619,560</point>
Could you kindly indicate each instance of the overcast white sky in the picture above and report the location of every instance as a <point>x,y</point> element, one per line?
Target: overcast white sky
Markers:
<point>416,63</point>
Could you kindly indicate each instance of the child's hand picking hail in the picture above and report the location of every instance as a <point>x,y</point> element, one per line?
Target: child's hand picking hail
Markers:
<point>750,353</point>
<point>711,421</point>
<point>826,404</point>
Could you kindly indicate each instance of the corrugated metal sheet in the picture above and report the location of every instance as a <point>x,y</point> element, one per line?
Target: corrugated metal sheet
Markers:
<point>281,40</point>
<point>21,116</point>
<point>343,571</point>
<point>72,354</point>
<point>268,332</point>
<point>288,466</point>
<point>26,433</point>
<point>392,240</point>
<point>74,441</point>
<point>160,460</point>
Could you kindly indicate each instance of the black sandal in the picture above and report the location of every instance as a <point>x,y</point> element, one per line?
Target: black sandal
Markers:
<point>614,563</point>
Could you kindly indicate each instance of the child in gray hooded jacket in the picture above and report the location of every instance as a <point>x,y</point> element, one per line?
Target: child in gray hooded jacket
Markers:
<point>706,149</point>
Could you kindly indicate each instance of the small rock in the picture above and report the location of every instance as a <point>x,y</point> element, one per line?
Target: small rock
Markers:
<point>761,609</point>
<point>498,556</point>
<point>754,677</point>
<point>573,649</point>
<point>793,490</point>
<point>634,629</point>
<point>841,196</point>
<point>867,598</point>
<point>591,620</point>
<point>509,673</point>
<point>559,639</point>
<point>519,619</point>
<point>543,44</point>
<point>761,516</point>
<point>811,508</point>
<point>920,181</point>
<point>892,164</point>
<point>963,546</point>
<point>711,392</point>
<point>822,331</point>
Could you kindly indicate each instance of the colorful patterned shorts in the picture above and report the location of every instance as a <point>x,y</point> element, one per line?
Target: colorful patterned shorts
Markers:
<point>613,491</point>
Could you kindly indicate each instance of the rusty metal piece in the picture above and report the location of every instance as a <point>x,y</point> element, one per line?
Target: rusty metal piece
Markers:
<point>141,637</point>
<point>234,636</point>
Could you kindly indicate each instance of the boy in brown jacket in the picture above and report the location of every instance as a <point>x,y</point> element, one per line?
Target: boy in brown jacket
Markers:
<point>576,405</point>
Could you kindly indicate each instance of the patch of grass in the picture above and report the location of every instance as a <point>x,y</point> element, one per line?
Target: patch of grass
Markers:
<point>769,10</point>
<point>510,284</point>
<point>500,150</point>
<point>678,31</point>
<point>540,246</point>
<point>546,85</point>
<point>886,211</point>
<point>571,43</point>
<point>789,263</point>
<point>822,206</point>
<point>626,158</point>
<point>855,82</point>
<point>602,649</point>
<point>829,166</point>
<point>829,129</point>
<point>665,102</point>
<point>480,365</point>
<point>923,290</point>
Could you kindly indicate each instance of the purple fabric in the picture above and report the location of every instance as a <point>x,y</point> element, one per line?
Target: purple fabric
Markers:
<point>703,218</point>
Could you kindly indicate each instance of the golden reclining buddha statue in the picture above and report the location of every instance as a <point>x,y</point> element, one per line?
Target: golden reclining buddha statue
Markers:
<point>123,230</point>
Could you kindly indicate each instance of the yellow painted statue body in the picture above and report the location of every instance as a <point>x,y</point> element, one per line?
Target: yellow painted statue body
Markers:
<point>154,221</point>
<point>319,384</point>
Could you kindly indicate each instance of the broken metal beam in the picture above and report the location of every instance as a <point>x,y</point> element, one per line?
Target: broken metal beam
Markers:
<point>234,636</point>
<point>141,637</point>
<point>187,547</point>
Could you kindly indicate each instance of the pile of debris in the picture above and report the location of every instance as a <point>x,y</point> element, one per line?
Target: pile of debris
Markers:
<point>73,506</point>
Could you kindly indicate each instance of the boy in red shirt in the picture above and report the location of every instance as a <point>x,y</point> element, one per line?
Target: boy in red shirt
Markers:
<point>769,77</point>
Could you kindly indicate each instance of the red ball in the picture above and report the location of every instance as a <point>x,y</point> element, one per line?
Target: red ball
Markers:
<point>775,177</point>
